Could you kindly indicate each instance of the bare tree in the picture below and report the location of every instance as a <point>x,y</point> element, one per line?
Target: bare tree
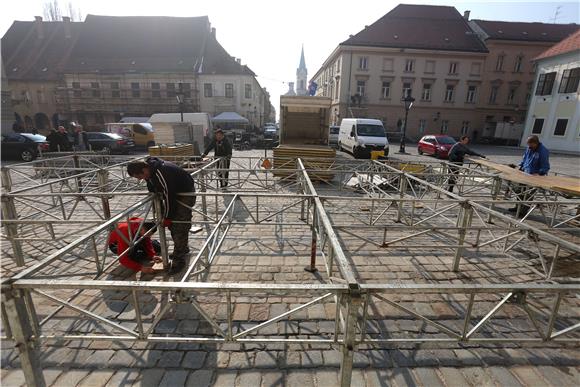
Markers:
<point>52,11</point>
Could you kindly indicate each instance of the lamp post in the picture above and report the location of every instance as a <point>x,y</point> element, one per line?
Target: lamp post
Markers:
<point>180,97</point>
<point>408,101</point>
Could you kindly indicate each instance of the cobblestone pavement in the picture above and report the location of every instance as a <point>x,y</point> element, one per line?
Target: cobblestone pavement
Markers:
<point>274,254</point>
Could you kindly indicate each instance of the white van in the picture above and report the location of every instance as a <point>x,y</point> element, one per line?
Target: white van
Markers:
<point>360,136</point>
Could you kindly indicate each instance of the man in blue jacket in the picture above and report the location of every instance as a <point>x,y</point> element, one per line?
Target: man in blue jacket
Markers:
<point>536,162</point>
<point>536,159</point>
<point>168,180</point>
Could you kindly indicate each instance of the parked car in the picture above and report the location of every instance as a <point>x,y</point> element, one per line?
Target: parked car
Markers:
<point>110,142</point>
<point>333,136</point>
<point>23,146</point>
<point>437,145</point>
<point>141,133</point>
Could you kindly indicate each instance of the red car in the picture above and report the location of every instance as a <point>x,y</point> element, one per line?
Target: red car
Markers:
<point>437,145</point>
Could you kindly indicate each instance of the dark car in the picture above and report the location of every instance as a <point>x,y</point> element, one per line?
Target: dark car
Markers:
<point>110,142</point>
<point>23,146</point>
<point>437,145</point>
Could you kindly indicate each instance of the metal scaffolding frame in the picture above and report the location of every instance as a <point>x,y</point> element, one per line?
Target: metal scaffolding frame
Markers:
<point>398,206</point>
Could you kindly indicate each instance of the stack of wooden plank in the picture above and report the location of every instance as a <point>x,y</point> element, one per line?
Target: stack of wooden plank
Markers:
<point>317,160</point>
<point>172,150</point>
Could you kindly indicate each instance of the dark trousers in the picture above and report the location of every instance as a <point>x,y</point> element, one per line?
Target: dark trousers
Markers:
<point>223,175</point>
<point>180,231</point>
<point>137,253</point>
<point>453,173</point>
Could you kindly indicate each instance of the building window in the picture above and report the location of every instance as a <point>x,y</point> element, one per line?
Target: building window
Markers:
<point>569,83</point>
<point>363,62</point>
<point>337,91</point>
<point>449,91</point>
<point>135,92</point>
<point>475,68</point>
<point>471,93</point>
<point>545,83</point>
<point>464,128</point>
<point>229,90</point>
<point>407,91</point>
<point>207,90</point>
<point>453,67</point>
<point>95,92</point>
<point>518,64</point>
<point>115,92</point>
<point>170,87</point>
<point>386,89</point>
<point>338,65</point>
<point>422,126</point>
<point>156,90</point>
<point>248,91</point>
<point>499,63</point>
<point>185,89</point>
<point>493,94</point>
<point>426,95</point>
<point>387,64</point>
<point>409,65</point>
<point>538,126</point>
<point>430,67</point>
<point>511,96</point>
<point>360,87</point>
<point>77,93</point>
<point>560,129</point>
<point>40,96</point>
<point>444,127</point>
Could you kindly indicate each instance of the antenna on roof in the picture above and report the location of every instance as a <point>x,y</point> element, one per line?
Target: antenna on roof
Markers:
<point>556,14</point>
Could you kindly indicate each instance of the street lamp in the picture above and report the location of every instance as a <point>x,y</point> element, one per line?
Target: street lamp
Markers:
<point>408,101</point>
<point>180,97</point>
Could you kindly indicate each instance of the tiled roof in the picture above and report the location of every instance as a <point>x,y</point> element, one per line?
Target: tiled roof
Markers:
<point>535,32</point>
<point>420,27</point>
<point>571,43</point>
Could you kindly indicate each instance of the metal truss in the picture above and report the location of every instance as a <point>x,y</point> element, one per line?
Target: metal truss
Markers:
<point>348,209</point>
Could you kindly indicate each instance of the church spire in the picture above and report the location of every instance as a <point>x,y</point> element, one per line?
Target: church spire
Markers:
<point>302,65</point>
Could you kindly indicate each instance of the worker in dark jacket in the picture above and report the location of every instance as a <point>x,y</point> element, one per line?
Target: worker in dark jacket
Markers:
<point>223,150</point>
<point>457,156</point>
<point>53,139</point>
<point>169,180</point>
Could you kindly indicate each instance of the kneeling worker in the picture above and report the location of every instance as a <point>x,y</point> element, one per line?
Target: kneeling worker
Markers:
<point>144,254</point>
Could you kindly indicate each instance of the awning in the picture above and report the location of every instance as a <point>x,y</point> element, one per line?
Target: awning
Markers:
<point>230,117</point>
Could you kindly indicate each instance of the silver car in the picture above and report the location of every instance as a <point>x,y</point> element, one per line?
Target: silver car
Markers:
<point>333,136</point>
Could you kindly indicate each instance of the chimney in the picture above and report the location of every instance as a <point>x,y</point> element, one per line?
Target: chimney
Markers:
<point>66,21</point>
<point>39,27</point>
<point>213,32</point>
<point>466,15</point>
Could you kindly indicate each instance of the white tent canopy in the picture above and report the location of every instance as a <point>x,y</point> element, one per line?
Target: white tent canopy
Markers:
<point>232,117</point>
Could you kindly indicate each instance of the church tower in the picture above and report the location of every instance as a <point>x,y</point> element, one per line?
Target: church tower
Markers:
<point>301,76</point>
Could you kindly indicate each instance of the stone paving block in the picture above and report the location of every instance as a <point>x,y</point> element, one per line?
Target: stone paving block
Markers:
<point>557,376</point>
<point>379,378</point>
<point>379,358</point>
<point>259,312</point>
<point>266,359</point>
<point>331,358</point>
<point>217,359</point>
<point>173,378</point>
<point>170,359</point>
<point>290,359</point>
<point>327,377</point>
<point>150,377</point>
<point>476,376</point>
<point>467,357</point>
<point>100,359</point>
<point>452,376</point>
<point>13,378</point>
<point>241,360</point>
<point>316,312</point>
<point>428,377</point>
<point>404,377</point>
<point>503,377</point>
<point>249,378</point>
<point>124,377</point>
<point>70,378</point>
<point>225,378</point>
<point>241,312</point>
<point>528,376</point>
<point>300,378</point>
<point>200,378</point>
<point>193,359</point>
<point>360,360</point>
<point>311,359</point>
<point>125,358</point>
<point>97,378</point>
<point>273,378</point>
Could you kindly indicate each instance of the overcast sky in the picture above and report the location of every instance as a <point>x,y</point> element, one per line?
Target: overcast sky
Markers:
<point>267,35</point>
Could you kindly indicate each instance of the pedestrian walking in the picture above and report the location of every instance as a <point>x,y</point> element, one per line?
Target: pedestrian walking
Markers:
<point>456,156</point>
<point>143,254</point>
<point>222,149</point>
<point>53,139</point>
<point>81,139</point>
<point>168,180</point>
<point>63,143</point>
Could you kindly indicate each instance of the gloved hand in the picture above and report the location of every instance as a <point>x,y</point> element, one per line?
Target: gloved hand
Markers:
<point>512,166</point>
<point>166,223</point>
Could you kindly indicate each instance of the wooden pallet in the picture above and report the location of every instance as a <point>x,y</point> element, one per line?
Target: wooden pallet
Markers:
<point>315,158</point>
<point>172,150</point>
